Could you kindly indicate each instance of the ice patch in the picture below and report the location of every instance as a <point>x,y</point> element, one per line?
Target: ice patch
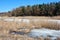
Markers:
<point>8,19</point>
<point>18,20</point>
<point>26,21</point>
<point>56,21</point>
<point>44,33</point>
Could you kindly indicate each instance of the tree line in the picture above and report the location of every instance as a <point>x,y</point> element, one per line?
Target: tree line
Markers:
<point>49,9</point>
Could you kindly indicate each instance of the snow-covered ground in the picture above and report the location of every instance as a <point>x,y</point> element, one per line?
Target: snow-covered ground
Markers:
<point>16,20</point>
<point>43,32</point>
<point>27,20</point>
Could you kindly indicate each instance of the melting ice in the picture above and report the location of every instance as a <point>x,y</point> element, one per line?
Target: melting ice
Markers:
<point>43,32</point>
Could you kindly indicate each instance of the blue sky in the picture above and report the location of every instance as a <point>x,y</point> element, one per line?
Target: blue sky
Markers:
<point>7,5</point>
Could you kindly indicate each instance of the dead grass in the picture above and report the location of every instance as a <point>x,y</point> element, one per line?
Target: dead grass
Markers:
<point>5,27</point>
